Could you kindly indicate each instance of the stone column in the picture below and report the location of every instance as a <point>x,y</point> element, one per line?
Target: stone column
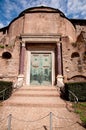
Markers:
<point>59,66</point>
<point>22,53</point>
<point>21,65</point>
<point>59,59</point>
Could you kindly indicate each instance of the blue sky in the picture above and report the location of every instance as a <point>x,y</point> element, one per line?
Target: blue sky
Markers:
<point>9,9</point>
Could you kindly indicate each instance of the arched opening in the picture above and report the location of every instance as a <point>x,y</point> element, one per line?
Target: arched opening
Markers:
<point>75,54</point>
<point>6,55</point>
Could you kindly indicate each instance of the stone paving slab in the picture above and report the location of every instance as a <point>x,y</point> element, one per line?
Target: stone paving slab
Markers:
<point>27,118</point>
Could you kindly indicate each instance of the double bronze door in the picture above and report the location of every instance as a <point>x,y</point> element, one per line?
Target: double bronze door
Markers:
<point>41,69</point>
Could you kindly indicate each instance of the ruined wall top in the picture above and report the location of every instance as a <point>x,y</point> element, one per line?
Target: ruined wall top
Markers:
<point>38,20</point>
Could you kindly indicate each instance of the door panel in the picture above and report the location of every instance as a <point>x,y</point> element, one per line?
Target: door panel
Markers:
<point>41,66</point>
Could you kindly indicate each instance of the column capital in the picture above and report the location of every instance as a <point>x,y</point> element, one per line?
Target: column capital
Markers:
<point>59,44</point>
<point>23,44</point>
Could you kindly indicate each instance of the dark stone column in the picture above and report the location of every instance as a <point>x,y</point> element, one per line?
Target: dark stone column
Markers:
<point>22,53</point>
<point>59,59</point>
<point>20,80</point>
<point>59,66</point>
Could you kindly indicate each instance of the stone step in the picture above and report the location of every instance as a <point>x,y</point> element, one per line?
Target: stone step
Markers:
<point>35,105</point>
<point>38,93</point>
<point>36,97</point>
<point>39,88</point>
<point>36,90</point>
<point>31,101</point>
<point>43,100</point>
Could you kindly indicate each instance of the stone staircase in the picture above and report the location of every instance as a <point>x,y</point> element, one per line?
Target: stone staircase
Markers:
<point>31,106</point>
<point>36,97</point>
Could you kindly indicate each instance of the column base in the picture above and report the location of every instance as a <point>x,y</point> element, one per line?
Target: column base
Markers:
<point>19,82</point>
<point>60,82</point>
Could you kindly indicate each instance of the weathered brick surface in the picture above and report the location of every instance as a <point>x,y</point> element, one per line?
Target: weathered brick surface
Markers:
<point>41,23</point>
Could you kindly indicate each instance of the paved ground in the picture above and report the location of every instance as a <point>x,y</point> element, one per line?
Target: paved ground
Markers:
<point>31,107</point>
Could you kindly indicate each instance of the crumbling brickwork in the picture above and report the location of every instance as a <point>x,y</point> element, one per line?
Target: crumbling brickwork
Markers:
<point>44,23</point>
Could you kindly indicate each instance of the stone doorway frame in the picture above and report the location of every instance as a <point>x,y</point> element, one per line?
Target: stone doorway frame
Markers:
<point>29,65</point>
<point>41,38</point>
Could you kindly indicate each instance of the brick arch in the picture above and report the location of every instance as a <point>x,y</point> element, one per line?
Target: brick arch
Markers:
<point>78,78</point>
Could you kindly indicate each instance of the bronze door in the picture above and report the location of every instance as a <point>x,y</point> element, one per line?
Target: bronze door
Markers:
<point>41,69</point>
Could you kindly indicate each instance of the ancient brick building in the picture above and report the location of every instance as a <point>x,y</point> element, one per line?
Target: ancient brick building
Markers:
<point>43,47</point>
